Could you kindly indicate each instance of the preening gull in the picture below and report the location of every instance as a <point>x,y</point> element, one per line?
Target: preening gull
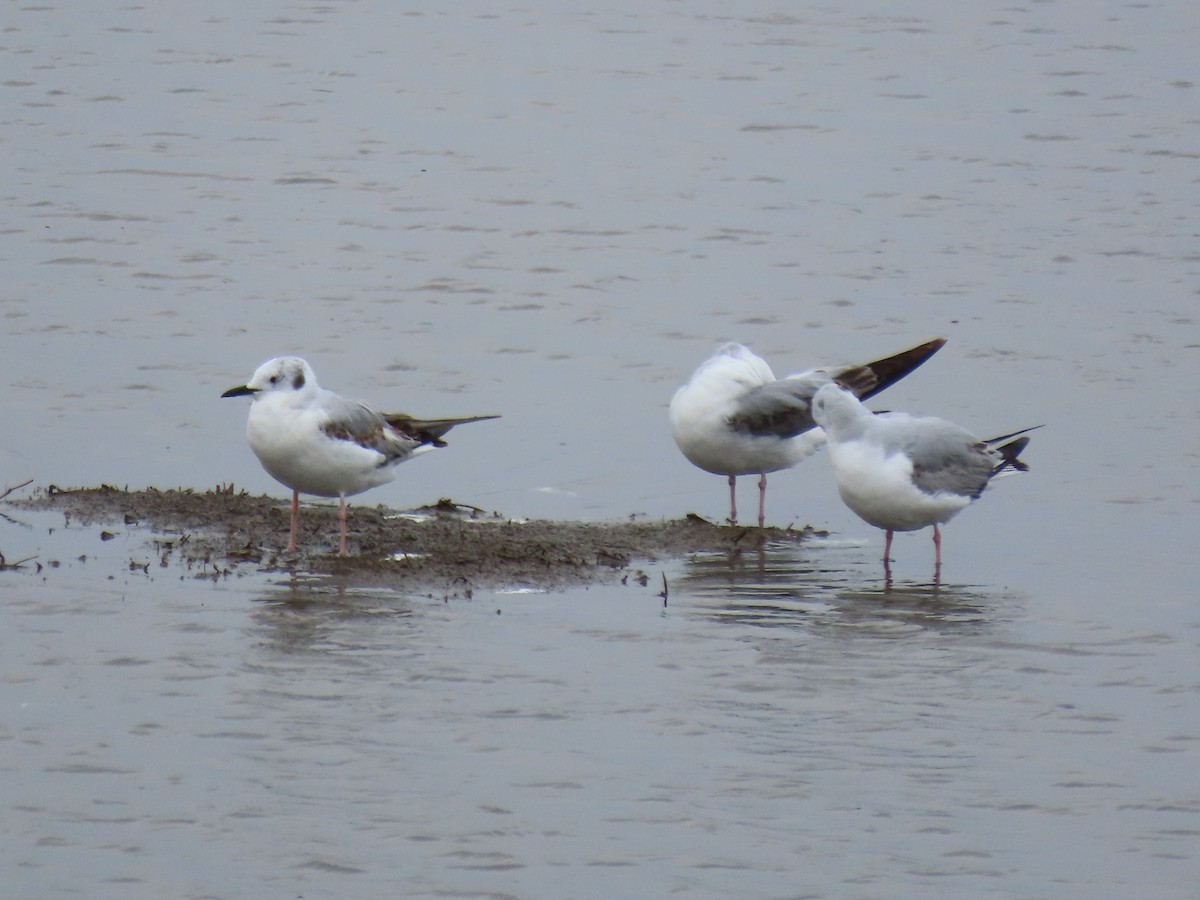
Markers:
<point>903,473</point>
<point>734,418</point>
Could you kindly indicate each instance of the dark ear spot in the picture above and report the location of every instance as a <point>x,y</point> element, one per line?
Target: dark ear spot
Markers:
<point>298,381</point>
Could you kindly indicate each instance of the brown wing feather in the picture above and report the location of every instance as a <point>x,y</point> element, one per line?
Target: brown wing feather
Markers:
<point>870,378</point>
<point>427,431</point>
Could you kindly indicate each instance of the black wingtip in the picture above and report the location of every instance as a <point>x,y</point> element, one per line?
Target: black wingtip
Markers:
<point>429,431</point>
<point>1005,437</point>
<point>890,369</point>
<point>1010,451</point>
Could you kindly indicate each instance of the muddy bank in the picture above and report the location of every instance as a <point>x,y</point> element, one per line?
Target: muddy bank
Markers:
<point>447,546</point>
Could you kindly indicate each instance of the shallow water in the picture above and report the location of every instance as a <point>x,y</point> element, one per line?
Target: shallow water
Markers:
<point>777,729</point>
<point>556,215</point>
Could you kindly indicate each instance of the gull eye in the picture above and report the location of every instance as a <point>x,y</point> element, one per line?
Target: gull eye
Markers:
<point>274,379</point>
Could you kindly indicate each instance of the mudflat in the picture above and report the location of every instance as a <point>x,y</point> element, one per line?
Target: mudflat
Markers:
<point>445,546</point>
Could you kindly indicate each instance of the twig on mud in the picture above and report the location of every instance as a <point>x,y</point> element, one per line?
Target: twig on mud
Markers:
<point>446,505</point>
<point>15,487</point>
<point>54,490</point>
<point>5,565</point>
<point>665,591</point>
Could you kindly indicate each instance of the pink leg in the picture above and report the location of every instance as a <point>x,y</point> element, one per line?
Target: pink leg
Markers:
<point>732,499</point>
<point>342,525</point>
<point>762,499</point>
<point>291,548</point>
<point>937,547</point>
<point>887,560</point>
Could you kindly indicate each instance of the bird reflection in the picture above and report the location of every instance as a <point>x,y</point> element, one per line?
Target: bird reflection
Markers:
<point>821,584</point>
<point>313,614</point>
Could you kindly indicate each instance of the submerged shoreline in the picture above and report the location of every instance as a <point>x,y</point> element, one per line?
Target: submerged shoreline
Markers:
<point>446,545</point>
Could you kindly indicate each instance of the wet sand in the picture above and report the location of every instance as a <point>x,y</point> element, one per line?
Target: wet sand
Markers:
<point>446,546</point>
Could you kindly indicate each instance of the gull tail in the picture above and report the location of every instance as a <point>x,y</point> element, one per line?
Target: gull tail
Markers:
<point>870,378</point>
<point>1009,451</point>
<point>428,431</point>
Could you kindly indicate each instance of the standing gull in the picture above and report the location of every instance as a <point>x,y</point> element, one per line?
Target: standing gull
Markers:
<point>734,418</point>
<point>316,442</point>
<point>903,473</point>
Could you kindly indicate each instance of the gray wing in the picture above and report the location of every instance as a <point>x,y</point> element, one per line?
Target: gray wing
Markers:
<point>783,408</point>
<point>780,409</point>
<point>946,458</point>
<point>358,423</point>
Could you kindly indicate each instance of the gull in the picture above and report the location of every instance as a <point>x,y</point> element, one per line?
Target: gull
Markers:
<point>734,418</point>
<point>317,442</point>
<point>903,473</point>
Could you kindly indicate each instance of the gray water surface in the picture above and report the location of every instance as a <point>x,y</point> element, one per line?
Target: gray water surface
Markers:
<point>556,214</point>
